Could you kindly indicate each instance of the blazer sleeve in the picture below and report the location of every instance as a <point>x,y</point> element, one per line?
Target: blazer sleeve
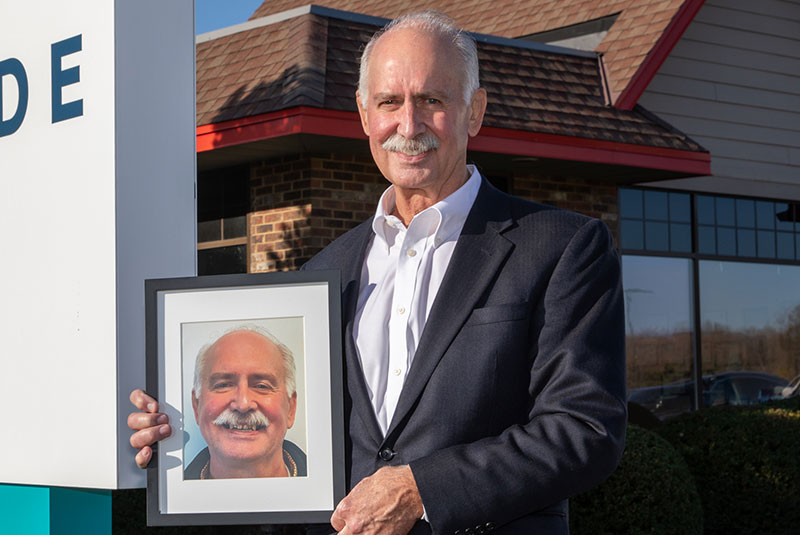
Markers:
<point>574,435</point>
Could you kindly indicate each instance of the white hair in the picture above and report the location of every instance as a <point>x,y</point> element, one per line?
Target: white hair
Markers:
<point>201,363</point>
<point>437,24</point>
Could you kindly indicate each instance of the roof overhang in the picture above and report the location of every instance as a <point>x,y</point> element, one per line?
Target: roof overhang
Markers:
<point>344,124</point>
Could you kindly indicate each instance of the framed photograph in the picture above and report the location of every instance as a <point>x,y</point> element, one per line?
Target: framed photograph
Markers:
<point>249,370</point>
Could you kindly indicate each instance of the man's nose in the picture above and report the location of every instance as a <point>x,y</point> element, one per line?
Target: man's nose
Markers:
<point>242,401</point>
<point>410,124</point>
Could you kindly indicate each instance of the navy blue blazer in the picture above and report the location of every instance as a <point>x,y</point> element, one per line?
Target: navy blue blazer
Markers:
<point>516,396</point>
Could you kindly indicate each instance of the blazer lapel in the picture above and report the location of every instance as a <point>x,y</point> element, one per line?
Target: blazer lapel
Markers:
<point>476,258</point>
<point>356,384</point>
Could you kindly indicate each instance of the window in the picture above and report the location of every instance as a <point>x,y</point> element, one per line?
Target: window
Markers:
<point>712,297</point>
<point>223,201</point>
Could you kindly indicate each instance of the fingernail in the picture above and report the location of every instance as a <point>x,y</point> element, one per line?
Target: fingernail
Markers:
<point>164,430</point>
<point>151,406</point>
<point>163,419</point>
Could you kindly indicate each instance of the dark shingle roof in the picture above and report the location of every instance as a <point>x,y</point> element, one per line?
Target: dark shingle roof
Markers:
<point>633,36</point>
<point>312,60</point>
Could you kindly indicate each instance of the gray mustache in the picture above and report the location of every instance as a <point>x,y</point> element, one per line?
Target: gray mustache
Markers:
<point>411,147</point>
<point>242,421</point>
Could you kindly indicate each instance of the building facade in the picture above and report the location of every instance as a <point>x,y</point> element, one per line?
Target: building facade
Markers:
<point>677,125</point>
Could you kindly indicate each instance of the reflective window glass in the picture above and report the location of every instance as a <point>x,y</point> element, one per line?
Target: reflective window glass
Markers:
<point>222,260</point>
<point>725,211</point>
<point>656,236</point>
<point>209,231</point>
<point>707,243</point>
<point>726,241</point>
<point>655,205</point>
<point>783,219</point>
<point>766,244</point>
<point>658,329</point>
<point>746,242</point>
<point>680,237</point>
<point>785,246</point>
<point>704,206</point>
<point>745,213</point>
<point>630,203</point>
<point>235,227</point>
<point>680,208</point>
<point>765,214</point>
<point>750,316</point>
<point>632,234</point>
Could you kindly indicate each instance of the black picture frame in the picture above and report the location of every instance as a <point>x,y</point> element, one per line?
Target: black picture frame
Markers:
<point>175,303</point>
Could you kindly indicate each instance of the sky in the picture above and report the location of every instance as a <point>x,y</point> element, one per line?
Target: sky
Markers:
<point>215,14</point>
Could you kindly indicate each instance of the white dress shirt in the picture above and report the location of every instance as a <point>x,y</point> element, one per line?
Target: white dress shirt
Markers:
<point>401,275</point>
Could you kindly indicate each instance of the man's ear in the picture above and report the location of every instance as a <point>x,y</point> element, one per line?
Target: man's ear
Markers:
<point>195,404</point>
<point>363,114</point>
<point>477,107</point>
<point>292,410</point>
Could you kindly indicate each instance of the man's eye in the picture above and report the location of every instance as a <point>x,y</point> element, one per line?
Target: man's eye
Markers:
<point>433,101</point>
<point>220,385</point>
<point>265,387</point>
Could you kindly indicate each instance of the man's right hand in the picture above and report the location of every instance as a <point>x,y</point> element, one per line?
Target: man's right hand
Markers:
<point>149,424</point>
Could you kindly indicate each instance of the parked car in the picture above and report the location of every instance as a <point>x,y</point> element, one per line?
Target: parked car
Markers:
<point>726,388</point>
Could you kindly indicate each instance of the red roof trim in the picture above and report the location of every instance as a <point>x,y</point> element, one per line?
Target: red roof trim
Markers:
<point>305,120</point>
<point>655,58</point>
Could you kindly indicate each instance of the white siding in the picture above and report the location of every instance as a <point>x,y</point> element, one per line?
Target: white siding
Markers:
<point>732,83</point>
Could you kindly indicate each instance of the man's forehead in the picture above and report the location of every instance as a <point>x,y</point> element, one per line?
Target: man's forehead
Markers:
<point>399,42</point>
<point>419,48</point>
<point>242,350</point>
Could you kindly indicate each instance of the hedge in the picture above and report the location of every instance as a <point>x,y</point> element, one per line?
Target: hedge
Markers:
<point>651,492</point>
<point>746,464</point>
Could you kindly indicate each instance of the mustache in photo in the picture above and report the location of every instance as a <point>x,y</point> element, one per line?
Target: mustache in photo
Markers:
<point>242,421</point>
<point>411,147</point>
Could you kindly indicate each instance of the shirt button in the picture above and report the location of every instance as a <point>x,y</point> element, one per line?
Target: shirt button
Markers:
<point>411,252</point>
<point>438,241</point>
<point>401,310</point>
<point>397,371</point>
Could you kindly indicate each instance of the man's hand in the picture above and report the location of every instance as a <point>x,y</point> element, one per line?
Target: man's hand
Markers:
<point>385,503</point>
<point>150,426</point>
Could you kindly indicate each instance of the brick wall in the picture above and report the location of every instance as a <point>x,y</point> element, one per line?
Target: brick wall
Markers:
<point>595,198</point>
<point>301,203</point>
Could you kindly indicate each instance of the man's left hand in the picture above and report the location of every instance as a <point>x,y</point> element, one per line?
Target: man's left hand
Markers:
<point>385,503</point>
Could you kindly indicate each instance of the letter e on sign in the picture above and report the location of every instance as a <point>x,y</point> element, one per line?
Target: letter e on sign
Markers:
<point>59,78</point>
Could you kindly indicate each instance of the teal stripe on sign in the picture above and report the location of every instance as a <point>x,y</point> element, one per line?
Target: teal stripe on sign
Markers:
<point>80,511</point>
<point>24,510</point>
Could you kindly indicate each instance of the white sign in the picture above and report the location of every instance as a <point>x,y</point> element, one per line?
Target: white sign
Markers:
<point>97,179</point>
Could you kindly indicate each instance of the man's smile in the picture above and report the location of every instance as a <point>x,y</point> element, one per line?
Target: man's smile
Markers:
<point>250,421</point>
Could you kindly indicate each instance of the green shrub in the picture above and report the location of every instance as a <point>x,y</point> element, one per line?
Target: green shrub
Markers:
<point>651,492</point>
<point>746,464</point>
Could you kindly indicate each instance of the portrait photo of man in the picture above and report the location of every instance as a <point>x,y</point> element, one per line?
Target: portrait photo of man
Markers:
<point>244,399</point>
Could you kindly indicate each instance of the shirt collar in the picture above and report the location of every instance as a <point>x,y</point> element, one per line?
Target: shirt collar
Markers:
<point>447,216</point>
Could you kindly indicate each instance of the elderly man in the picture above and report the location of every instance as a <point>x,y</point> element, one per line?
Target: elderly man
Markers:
<point>483,333</point>
<point>244,401</point>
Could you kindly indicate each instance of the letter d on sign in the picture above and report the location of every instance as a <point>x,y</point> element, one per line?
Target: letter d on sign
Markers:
<point>13,67</point>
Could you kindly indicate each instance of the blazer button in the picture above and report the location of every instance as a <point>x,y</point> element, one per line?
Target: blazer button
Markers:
<point>386,454</point>
<point>489,526</point>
